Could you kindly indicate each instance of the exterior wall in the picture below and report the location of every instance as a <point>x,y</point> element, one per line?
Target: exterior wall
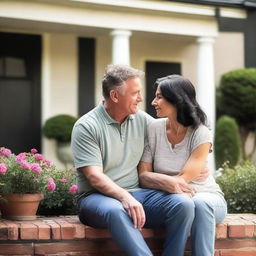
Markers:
<point>103,58</point>
<point>60,82</point>
<point>228,53</point>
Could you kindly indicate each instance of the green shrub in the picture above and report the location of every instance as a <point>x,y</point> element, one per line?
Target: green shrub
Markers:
<point>238,94</point>
<point>227,141</point>
<point>61,201</point>
<point>238,185</point>
<point>59,127</point>
<point>218,101</point>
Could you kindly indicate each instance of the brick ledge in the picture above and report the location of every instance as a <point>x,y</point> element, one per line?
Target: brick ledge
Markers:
<point>65,235</point>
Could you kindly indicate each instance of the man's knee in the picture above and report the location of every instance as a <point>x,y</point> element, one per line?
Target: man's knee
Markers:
<point>116,212</point>
<point>183,206</point>
<point>100,212</point>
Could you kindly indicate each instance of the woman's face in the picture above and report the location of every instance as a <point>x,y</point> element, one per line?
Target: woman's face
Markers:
<point>162,106</point>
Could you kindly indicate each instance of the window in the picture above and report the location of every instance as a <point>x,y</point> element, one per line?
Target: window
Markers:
<point>11,67</point>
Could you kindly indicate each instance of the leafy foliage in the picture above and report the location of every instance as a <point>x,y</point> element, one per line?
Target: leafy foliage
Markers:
<point>59,127</point>
<point>238,185</point>
<point>62,200</point>
<point>238,94</point>
<point>227,141</point>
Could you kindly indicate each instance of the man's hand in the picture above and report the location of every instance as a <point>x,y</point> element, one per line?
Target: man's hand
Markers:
<point>106,186</point>
<point>204,174</point>
<point>135,210</point>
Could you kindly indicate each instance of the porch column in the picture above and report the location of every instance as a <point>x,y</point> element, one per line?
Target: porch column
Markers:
<point>205,83</point>
<point>46,90</point>
<point>120,47</point>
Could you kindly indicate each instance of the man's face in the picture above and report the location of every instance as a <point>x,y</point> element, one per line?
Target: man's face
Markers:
<point>129,96</point>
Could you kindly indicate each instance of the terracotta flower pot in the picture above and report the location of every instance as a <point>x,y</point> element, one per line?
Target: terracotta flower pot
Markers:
<point>20,206</point>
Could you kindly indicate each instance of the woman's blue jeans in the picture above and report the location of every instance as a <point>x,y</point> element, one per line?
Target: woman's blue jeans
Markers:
<point>175,212</point>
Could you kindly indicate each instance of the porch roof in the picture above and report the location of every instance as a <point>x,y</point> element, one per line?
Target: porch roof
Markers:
<point>137,15</point>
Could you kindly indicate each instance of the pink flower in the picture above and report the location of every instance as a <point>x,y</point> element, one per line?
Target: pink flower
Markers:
<point>63,181</point>
<point>20,157</point>
<point>25,165</point>
<point>39,157</point>
<point>5,152</point>
<point>51,186</point>
<point>73,189</point>
<point>47,163</point>
<point>50,180</point>
<point>35,168</point>
<point>3,168</point>
<point>33,151</point>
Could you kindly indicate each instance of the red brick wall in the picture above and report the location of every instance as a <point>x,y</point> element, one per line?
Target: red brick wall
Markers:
<point>66,236</point>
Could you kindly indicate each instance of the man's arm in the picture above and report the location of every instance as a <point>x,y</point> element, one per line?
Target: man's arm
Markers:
<point>106,186</point>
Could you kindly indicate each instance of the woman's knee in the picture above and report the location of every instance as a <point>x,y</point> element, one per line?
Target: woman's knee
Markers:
<point>203,208</point>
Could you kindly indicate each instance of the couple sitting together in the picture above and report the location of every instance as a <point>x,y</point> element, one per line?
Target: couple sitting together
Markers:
<point>135,171</point>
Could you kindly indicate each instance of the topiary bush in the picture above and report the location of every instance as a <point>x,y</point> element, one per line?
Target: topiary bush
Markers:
<point>236,98</point>
<point>238,94</point>
<point>59,127</point>
<point>227,141</point>
<point>238,185</point>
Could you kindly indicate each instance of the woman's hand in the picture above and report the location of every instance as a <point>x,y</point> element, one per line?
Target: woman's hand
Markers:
<point>178,186</point>
<point>170,184</point>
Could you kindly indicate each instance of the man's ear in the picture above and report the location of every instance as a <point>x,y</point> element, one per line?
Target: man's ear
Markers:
<point>113,95</point>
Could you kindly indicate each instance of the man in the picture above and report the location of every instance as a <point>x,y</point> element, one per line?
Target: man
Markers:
<point>107,144</point>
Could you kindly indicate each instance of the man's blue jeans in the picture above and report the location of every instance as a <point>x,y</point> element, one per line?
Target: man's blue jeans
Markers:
<point>175,212</point>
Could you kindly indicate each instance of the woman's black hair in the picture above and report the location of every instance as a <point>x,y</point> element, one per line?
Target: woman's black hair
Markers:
<point>180,92</point>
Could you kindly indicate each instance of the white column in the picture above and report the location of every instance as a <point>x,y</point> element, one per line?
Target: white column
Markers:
<point>46,87</point>
<point>206,84</point>
<point>120,47</point>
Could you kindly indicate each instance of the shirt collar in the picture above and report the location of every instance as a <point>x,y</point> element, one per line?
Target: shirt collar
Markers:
<point>108,118</point>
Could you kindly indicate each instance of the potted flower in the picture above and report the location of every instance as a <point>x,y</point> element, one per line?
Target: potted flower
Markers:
<point>26,176</point>
<point>60,127</point>
<point>62,201</point>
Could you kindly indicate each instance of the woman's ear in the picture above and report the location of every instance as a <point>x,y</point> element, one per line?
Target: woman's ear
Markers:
<point>114,96</point>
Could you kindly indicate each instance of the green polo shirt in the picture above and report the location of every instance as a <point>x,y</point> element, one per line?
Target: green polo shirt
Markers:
<point>98,140</point>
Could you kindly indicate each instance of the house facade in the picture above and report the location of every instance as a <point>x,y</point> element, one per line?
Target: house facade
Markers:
<point>53,54</point>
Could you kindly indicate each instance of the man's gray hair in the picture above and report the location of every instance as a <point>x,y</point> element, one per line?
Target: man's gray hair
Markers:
<point>116,75</point>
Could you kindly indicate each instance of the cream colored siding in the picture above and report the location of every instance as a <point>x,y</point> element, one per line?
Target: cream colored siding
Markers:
<point>229,53</point>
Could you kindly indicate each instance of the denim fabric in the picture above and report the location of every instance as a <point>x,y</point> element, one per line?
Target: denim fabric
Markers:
<point>175,212</point>
<point>210,209</point>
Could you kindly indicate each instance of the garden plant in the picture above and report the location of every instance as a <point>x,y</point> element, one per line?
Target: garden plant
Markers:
<point>236,98</point>
<point>238,185</point>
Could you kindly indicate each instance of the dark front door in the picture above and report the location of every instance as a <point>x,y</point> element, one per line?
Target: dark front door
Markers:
<point>156,70</point>
<point>20,97</point>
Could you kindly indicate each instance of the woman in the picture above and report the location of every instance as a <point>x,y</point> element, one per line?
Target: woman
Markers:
<point>176,155</point>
